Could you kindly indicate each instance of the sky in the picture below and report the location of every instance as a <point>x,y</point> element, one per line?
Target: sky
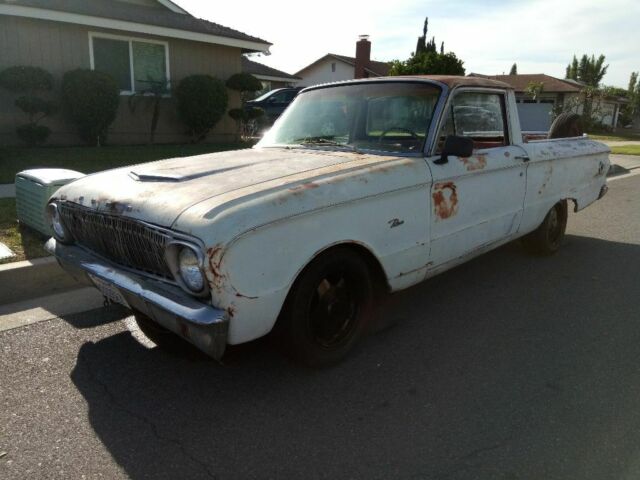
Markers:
<point>541,36</point>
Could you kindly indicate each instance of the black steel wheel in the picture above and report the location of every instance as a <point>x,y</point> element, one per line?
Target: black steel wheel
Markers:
<point>547,238</point>
<point>328,308</point>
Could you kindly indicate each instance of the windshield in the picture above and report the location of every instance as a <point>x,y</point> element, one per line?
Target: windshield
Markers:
<point>385,116</point>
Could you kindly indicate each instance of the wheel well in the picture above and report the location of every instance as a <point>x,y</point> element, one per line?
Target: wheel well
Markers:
<point>378,276</point>
<point>377,272</point>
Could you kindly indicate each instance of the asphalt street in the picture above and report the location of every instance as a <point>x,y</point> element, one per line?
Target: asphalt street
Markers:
<point>508,367</point>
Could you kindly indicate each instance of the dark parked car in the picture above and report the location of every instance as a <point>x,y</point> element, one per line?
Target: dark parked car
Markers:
<point>275,101</point>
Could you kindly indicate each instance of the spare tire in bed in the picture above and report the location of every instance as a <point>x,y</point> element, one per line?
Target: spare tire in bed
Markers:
<point>566,125</point>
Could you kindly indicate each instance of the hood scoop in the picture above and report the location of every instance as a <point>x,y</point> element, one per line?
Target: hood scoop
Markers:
<point>153,177</point>
<point>160,176</point>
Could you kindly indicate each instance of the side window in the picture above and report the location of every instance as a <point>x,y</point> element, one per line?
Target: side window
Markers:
<point>279,97</point>
<point>480,116</point>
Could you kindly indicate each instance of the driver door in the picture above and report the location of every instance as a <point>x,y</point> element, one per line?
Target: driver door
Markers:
<point>476,201</point>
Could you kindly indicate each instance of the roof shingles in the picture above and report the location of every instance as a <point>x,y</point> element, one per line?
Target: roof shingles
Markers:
<point>255,68</point>
<point>520,82</point>
<point>118,10</point>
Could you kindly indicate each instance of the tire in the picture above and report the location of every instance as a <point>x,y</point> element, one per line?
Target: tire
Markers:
<point>163,338</point>
<point>547,238</point>
<point>566,125</point>
<point>328,308</point>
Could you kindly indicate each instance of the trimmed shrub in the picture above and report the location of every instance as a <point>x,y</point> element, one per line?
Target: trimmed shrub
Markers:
<point>202,100</point>
<point>90,99</point>
<point>35,105</point>
<point>30,80</point>
<point>33,134</point>
<point>245,83</point>
<point>26,79</point>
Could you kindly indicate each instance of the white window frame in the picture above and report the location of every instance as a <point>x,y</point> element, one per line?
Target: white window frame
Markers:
<point>130,41</point>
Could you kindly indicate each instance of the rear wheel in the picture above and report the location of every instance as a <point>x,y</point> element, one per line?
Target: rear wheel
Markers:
<point>328,308</point>
<point>547,238</point>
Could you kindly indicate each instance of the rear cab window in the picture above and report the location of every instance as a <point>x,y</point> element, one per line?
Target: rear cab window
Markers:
<point>480,116</point>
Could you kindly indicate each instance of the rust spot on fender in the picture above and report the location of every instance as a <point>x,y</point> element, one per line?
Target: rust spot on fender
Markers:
<point>231,311</point>
<point>477,162</point>
<point>214,259</point>
<point>445,200</point>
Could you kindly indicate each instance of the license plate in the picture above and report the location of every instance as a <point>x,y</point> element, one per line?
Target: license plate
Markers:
<point>109,291</point>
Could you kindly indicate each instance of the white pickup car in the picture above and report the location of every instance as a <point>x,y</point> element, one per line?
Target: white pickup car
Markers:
<point>362,184</point>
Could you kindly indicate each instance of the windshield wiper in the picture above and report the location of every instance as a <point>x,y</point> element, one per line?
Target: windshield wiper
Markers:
<point>325,141</point>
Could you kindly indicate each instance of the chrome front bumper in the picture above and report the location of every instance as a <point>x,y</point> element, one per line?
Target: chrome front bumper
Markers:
<point>200,324</point>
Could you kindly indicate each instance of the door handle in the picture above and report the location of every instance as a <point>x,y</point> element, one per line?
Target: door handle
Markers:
<point>524,158</point>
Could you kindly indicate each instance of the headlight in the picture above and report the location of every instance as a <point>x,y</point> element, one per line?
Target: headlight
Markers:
<point>57,226</point>
<point>190,271</point>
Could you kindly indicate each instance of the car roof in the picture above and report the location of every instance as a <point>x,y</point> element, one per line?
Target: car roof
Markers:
<point>451,81</point>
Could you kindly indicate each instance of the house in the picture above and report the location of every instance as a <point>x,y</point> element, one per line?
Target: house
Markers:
<point>335,68</point>
<point>134,41</point>
<point>536,113</point>
<point>269,77</point>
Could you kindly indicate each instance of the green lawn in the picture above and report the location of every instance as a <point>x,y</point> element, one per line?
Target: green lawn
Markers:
<point>25,243</point>
<point>626,149</point>
<point>615,137</point>
<point>95,159</point>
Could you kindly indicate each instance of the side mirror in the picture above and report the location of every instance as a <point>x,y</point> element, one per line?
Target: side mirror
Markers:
<point>454,145</point>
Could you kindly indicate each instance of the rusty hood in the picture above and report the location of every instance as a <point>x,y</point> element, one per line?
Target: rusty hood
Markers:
<point>158,192</point>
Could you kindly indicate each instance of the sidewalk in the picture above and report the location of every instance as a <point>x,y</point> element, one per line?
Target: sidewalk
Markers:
<point>621,164</point>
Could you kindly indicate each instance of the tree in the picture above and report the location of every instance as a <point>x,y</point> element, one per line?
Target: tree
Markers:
<point>29,81</point>
<point>245,117</point>
<point>514,69</point>
<point>427,60</point>
<point>629,111</point>
<point>202,100</point>
<point>155,90</point>
<point>430,63</point>
<point>588,70</point>
<point>90,100</point>
<point>534,89</point>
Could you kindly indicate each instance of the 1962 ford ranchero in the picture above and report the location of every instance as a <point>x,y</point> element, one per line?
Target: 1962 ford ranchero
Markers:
<point>383,181</point>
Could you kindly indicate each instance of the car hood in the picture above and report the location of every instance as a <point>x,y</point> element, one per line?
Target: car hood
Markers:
<point>158,192</point>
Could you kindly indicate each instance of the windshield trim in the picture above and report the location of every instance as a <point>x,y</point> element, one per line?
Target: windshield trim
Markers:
<point>430,134</point>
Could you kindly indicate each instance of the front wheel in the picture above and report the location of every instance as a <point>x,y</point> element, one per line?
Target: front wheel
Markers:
<point>163,338</point>
<point>327,309</point>
<point>547,238</point>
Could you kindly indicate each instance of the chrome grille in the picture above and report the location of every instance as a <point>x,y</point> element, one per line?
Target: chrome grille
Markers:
<point>127,242</point>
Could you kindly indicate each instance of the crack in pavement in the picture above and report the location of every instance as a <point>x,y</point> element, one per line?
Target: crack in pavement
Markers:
<point>154,429</point>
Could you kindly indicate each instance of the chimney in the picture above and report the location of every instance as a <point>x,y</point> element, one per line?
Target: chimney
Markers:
<point>363,56</point>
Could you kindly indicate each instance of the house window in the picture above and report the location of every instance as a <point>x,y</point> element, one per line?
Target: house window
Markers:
<point>136,65</point>
<point>333,67</point>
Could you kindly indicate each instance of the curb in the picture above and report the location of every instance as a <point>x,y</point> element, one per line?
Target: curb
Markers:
<point>33,278</point>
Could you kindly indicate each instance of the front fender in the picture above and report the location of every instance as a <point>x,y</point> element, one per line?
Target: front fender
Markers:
<point>251,275</point>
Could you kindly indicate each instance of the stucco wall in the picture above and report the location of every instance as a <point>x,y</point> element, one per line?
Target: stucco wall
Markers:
<point>321,73</point>
<point>60,47</point>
